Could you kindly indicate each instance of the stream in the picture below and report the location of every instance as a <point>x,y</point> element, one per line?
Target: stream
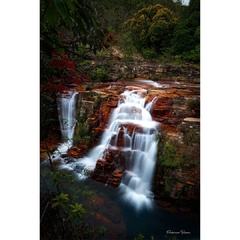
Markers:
<point>129,209</point>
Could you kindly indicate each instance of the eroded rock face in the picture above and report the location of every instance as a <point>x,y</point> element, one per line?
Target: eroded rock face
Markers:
<point>180,187</point>
<point>176,107</point>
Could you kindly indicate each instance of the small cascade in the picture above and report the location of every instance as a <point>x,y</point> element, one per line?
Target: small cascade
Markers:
<point>149,106</point>
<point>127,149</point>
<point>66,112</point>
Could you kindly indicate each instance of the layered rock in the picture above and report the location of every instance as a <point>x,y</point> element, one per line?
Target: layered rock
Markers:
<point>176,95</point>
<point>176,107</point>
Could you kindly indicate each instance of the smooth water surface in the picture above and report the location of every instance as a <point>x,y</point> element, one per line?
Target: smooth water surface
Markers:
<point>157,222</point>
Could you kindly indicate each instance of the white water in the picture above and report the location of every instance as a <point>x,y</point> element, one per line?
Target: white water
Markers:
<point>66,112</point>
<point>140,146</point>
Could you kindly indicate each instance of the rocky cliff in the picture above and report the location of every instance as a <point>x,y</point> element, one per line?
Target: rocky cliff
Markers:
<point>175,92</point>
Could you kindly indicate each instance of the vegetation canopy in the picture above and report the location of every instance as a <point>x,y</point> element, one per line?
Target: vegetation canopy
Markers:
<point>68,28</point>
<point>151,28</point>
<point>66,24</point>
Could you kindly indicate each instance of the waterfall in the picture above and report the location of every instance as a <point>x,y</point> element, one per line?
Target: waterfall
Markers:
<point>138,142</point>
<point>149,106</point>
<point>66,113</point>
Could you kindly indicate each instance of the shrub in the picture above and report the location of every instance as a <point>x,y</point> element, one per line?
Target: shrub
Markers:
<point>192,56</point>
<point>127,44</point>
<point>194,104</point>
<point>149,54</point>
<point>151,27</point>
<point>100,74</point>
<point>174,154</point>
<point>170,156</point>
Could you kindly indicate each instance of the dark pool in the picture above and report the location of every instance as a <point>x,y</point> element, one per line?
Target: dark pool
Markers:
<point>125,220</point>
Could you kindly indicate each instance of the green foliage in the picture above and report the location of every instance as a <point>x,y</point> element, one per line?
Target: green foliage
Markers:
<point>62,199</point>
<point>170,157</point>
<point>182,40</point>
<point>63,176</point>
<point>174,154</point>
<point>139,237</point>
<point>151,28</point>
<point>149,53</point>
<point>191,137</point>
<point>102,230</point>
<point>192,56</point>
<point>83,133</point>
<point>128,58</point>
<point>169,184</point>
<point>173,29</point>
<point>67,27</point>
<point>77,211</point>
<point>69,209</point>
<point>76,21</point>
<point>85,192</point>
<point>193,104</point>
<point>86,63</point>
<point>127,44</point>
<point>100,74</point>
<point>186,35</point>
<point>101,56</point>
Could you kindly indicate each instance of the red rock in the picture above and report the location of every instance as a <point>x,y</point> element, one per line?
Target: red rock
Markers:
<point>100,163</point>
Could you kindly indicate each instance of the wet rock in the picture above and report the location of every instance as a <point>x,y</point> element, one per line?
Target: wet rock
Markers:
<point>69,159</point>
<point>108,209</point>
<point>109,215</point>
<point>100,163</point>
<point>112,103</point>
<point>78,151</point>
<point>93,122</point>
<point>176,191</point>
<point>115,179</point>
<point>85,108</point>
<point>162,109</point>
<point>191,119</point>
<point>170,109</point>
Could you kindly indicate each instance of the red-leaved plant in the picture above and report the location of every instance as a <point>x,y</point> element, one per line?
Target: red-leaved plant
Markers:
<point>66,76</point>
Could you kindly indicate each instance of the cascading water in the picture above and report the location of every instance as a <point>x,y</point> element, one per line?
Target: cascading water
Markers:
<point>133,122</point>
<point>138,145</point>
<point>66,112</point>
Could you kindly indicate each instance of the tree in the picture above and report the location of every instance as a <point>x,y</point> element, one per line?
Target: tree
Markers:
<point>186,36</point>
<point>64,24</point>
<point>151,28</point>
<point>65,27</point>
